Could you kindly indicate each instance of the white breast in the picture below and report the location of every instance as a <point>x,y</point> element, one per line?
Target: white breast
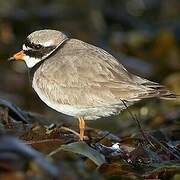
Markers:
<point>65,109</point>
<point>89,113</point>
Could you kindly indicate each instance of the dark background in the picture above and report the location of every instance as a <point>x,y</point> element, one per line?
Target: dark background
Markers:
<point>143,34</point>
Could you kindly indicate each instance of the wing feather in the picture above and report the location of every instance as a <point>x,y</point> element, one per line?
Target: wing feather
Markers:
<point>84,75</point>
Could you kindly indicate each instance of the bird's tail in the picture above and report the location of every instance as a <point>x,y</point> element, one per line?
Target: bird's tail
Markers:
<point>162,92</point>
<point>156,90</point>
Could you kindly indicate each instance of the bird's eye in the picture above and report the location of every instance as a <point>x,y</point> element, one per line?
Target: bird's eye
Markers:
<point>38,46</point>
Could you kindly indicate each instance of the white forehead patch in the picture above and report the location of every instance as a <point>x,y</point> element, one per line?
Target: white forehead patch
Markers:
<point>26,48</point>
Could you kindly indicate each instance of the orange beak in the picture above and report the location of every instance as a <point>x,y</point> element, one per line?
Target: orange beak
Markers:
<point>18,56</point>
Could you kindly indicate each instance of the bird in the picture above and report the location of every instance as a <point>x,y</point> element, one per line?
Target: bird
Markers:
<point>81,80</point>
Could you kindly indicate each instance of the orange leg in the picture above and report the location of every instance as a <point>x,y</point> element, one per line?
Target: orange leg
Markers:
<point>81,127</point>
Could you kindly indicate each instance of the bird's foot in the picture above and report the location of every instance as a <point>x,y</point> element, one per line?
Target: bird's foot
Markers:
<point>81,128</point>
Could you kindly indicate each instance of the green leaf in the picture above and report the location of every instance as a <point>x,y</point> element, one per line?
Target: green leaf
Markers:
<point>83,149</point>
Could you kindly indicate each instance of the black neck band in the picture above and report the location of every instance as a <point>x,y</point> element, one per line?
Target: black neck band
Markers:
<point>35,53</point>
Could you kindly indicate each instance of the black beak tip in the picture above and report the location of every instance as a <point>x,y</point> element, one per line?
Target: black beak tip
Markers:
<point>11,59</point>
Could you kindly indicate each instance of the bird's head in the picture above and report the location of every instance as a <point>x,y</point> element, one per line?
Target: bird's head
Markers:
<point>39,45</point>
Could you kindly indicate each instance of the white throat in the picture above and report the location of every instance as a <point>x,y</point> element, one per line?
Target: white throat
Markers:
<point>31,61</point>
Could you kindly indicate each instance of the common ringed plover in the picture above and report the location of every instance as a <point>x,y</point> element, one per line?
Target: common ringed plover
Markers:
<point>82,80</point>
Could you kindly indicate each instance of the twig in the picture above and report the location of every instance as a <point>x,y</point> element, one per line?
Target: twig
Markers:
<point>164,147</point>
<point>72,131</point>
<point>54,152</point>
<point>102,137</point>
<point>42,141</point>
<point>134,117</point>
